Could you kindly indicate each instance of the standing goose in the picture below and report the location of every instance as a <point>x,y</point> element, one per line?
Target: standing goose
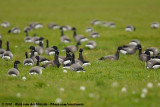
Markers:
<point>5,24</point>
<point>27,39</point>
<point>28,61</point>
<point>153,51</point>
<point>14,30</point>
<point>112,57</point>
<point>91,45</point>
<point>67,60</point>
<point>130,28</point>
<point>53,26</point>
<point>53,63</point>
<point>1,50</point>
<point>64,38</point>
<point>89,29</point>
<point>78,38</point>
<point>72,48</point>
<point>36,69</point>
<point>14,71</point>
<point>49,51</point>
<point>155,25</point>
<point>7,55</point>
<point>94,35</point>
<point>75,66</point>
<point>151,63</point>
<point>142,56</point>
<point>81,60</point>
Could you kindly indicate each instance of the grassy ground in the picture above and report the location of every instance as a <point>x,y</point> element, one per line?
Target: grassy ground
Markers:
<point>100,78</point>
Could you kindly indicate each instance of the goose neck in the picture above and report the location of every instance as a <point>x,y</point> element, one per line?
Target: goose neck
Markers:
<point>117,54</point>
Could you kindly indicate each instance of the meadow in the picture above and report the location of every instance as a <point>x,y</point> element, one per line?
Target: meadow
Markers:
<point>104,81</point>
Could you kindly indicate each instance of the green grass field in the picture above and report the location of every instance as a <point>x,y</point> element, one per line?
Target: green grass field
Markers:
<point>100,77</point>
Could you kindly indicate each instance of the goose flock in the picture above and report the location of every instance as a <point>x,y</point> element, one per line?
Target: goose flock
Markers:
<point>150,56</point>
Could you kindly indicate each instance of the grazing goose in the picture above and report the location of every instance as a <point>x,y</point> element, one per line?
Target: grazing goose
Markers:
<point>7,55</point>
<point>134,42</point>
<point>91,45</point>
<point>64,38</point>
<point>153,51</point>
<point>28,61</point>
<point>155,25</point>
<point>72,48</point>
<point>27,28</point>
<point>111,24</point>
<point>129,49</point>
<point>14,71</point>
<point>36,69</point>
<point>5,24</point>
<point>142,56</point>
<point>53,63</point>
<point>78,38</point>
<point>36,25</point>
<point>27,39</point>
<point>14,30</point>
<point>112,57</point>
<point>105,24</point>
<point>1,50</point>
<point>151,63</point>
<point>53,26</point>
<point>95,22</point>
<point>36,39</point>
<point>0,36</point>
<point>89,29</point>
<point>94,35</point>
<point>75,66</point>
<point>66,28</point>
<point>49,51</point>
<point>130,28</point>
<point>81,60</point>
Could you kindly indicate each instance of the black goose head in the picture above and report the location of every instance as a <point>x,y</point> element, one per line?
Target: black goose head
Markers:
<point>32,48</point>
<point>9,31</point>
<point>17,62</point>
<point>119,48</point>
<point>40,44</point>
<point>26,32</point>
<point>0,43</point>
<point>139,46</point>
<point>8,46</point>
<point>73,59</point>
<point>47,45</point>
<point>26,54</point>
<point>74,29</point>
<point>37,57</point>
<point>41,38</point>
<point>148,55</point>
<point>55,47</point>
<point>78,43</point>
<point>81,50</point>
